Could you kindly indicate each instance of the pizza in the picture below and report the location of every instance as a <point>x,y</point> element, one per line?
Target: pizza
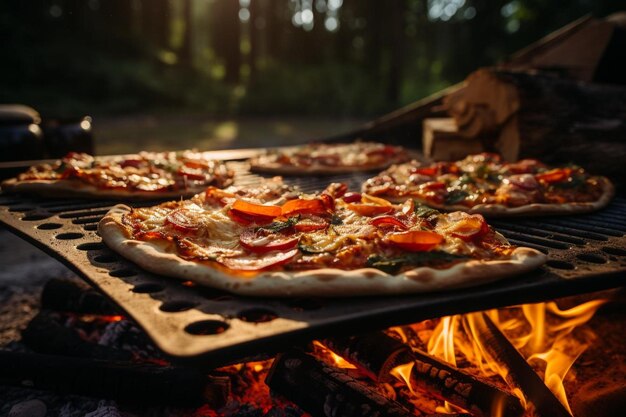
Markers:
<point>277,242</point>
<point>140,176</point>
<point>329,158</point>
<point>483,183</point>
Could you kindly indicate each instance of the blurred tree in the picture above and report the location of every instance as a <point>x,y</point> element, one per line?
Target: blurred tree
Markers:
<point>186,49</point>
<point>226,36</point>
<point>155,22</point>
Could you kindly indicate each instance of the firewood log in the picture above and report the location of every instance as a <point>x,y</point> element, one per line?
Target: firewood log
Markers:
<point>442,141</point>
<point>377,353</point>
<point>536,115</point>
<point>322,390</point>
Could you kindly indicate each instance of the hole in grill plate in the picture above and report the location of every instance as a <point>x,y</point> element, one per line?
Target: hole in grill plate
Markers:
<point>122,273</point>
<point>590,257</point>
<point>175,306</point>
<point>560,264</point>
<point>69,236</point>
<point>614,251</point>
<point>105,259</point>
<point>35,216</point>
<point>147,287</point>
<point>49,226</point>
<point>207,327</point>
<point>91,227</point>
<point>257,315</point>
<point>90,246</point>
<point>304,304</point>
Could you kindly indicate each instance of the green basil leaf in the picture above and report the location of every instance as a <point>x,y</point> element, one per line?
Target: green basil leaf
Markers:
<point>456,196</point>
<point>425,211</point>
<point>276,227</point>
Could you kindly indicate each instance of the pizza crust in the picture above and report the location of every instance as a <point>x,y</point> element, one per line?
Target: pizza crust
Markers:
<point>535,209</point>
<point>267,167</point>
<point>69,188</point>
<point>160,258</point>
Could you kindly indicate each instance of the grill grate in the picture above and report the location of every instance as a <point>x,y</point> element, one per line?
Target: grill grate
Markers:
<point>209,327</point>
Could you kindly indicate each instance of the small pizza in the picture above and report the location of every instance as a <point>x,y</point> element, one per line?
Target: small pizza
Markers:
<point>330,244</point>
<point>329,158</point>
<point>142,176</point>
<point>485,184</point>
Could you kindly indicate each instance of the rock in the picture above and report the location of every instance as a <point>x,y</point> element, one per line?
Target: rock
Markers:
<point>30,408</point>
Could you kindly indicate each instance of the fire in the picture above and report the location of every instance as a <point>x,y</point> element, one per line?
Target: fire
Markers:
<point>330,356</point>
<point>543,333</point>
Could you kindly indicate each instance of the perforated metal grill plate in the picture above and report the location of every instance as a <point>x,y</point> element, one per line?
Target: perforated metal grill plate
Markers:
<point>208,327</point>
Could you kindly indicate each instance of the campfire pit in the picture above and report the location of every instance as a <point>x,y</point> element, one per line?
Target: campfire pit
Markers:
<point>207,329</point>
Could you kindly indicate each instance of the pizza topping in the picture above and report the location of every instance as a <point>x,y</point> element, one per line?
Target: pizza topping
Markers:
<point>257,263</point>
<point>250,235</point>
<point>351,197</point>
<point>261,240</point>
<point>183,219</point>
<point>464,226</point>
<point>485,179</point>
<point>382,221</point>
<point>310,223</point>
<point>554,175</point>
<point>304,206</point>
<point>256,209</point>
<point>415,240</point>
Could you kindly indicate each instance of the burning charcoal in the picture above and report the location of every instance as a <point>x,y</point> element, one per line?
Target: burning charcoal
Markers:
<point>75,297</point>
<point>247,410</point>
<point>376,354</point>
<point>322,390</point>
<point>45,335</point>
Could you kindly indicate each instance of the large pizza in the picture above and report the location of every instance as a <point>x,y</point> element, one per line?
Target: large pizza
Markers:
<point>483,183</point>
<point>329,158</point>
<point>274,241</point>
<point>140,176</point>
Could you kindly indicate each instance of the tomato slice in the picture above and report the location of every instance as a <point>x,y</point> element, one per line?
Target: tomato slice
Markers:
<point>132,162</point>
<point>255,263</point>
<point>303,206</point>
<point>352,197</point>
<point>369,210</point>
<point>555,175</point>
<point>428,171</point>
<point>415,241</point>
<point>182,219</point>
<point>388,221</point>
<point>256,209</point>
<point>262,241</point>
<point>311,223</point>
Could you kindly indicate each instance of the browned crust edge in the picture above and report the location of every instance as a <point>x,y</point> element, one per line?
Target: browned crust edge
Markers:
<point>156,258</point>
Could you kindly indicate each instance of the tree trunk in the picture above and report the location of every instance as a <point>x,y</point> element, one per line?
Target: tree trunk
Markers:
<point>396,61</point>
<point>186,50</point>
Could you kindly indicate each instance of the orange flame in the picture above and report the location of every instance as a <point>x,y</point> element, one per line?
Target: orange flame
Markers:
<point>331,357</point>
<point>542,332</point>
